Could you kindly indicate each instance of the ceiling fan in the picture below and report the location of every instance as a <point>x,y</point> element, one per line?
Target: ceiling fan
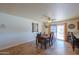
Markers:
<point>49,18</point>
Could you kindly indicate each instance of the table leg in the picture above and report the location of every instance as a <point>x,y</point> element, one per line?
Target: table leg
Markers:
<point>36,42</point>
<point>41,45</point>
<point>45,44</point>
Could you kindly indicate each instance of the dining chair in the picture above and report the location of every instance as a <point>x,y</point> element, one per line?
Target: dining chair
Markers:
<point>74,41</point>
<point>69,37</point>
<point>41,41</point>
<point>37,39</point>
<point>51,38</point>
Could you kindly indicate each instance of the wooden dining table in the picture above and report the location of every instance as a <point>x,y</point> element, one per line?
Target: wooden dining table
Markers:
<point>44,38</point>
<point>77,36</point>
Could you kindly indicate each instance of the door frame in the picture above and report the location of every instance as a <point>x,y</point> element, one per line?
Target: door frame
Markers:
<point>65,30</point>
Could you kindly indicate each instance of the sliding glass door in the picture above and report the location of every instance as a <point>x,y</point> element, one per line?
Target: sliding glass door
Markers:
<point>58,31</point>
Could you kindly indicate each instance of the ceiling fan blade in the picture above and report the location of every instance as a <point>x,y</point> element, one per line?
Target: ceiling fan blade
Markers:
<point>49,18</point>
<point>53,19</point>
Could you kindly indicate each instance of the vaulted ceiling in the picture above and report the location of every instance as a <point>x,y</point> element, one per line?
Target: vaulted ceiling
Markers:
<point>59,11</point>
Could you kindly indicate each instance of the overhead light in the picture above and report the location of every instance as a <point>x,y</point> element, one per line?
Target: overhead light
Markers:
<point>49,21</point>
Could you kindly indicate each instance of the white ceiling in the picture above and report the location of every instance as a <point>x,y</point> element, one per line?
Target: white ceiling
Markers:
<point>38,10</point>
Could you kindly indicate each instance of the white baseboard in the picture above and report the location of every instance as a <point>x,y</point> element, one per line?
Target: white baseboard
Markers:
<point>15,44</point>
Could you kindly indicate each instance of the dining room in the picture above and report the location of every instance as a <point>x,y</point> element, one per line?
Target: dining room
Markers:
<point>33,29</point>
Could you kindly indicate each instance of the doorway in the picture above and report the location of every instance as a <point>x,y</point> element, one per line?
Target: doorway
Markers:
<point>58,31</point>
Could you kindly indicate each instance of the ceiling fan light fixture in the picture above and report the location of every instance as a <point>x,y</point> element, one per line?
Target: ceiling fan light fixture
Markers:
<point>49,21</point>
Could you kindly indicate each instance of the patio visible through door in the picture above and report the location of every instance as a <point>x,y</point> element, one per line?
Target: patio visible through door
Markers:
<point>60,32</point>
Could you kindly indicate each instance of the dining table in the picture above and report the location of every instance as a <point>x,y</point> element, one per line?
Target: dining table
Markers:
<point>77,36</point>
<point>44,38</point>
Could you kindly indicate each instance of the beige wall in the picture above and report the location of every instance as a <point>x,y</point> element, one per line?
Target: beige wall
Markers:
<point>73,22</point>
<point>69,22</point>
<point>17,30</point>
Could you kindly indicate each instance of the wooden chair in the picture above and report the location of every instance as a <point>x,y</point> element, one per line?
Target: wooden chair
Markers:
<point>69,37</point>
<point>41,41</point>
<point>74,41</point>
<point>37,39</point>
<point>51,38</point>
